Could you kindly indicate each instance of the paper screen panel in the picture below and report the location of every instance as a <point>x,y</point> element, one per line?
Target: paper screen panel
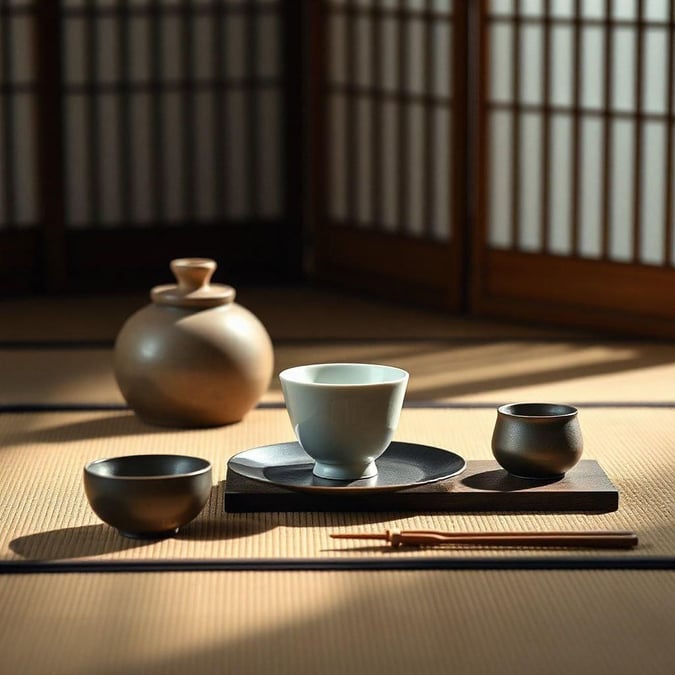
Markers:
<point>590,9</point>
<point>390,150</point>
<point>652,188</point>
<point>23,145</point>
<point>235,46</point>
<point>626,9</point>
<point>592,50</point>
<point>441,39</point>
<point>503,7</point>
<point>4,181</point>
<point>337,140</point>
<point>501,194</point>
<point>388,76</point>
<point>415,77</point>
<point>654,84</point>
<point>609,190</point>
<point>622,194</point>
<point>109,159</point>
<point>442,6</point>
<point>269,153</point>
<point>236,155</point>
<point>501,57</point>
<point>18,187</point>
<point>141,139</point>
<point>195,76</point>
<point>268,62</point>
<point>560,185</point>
<point>562,66</point>
<point>442,174</point>
<point>77,157</point>
<point>590,186</point>
<point>530,65</point>
<point>388,72</point>
<point>364,161</point>
<point>108,48</point>
<point>531,7</point>
<point>174,164</point>
<point>205,148</point>
<point>363,54</point>
<point>623,69</point>
<point>416,174</point>
<point>204,47</point>
<point>529,199</point>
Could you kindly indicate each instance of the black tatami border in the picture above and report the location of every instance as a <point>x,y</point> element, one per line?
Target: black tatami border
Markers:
<point>64,344</point>
<point>279,405</point>
<point>337,564</point>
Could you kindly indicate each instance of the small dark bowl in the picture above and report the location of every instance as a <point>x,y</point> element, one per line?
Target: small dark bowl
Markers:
<point>148,496</point>
<point>537,440</point>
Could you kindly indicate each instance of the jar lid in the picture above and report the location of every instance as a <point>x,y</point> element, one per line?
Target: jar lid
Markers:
<point>193,288</point>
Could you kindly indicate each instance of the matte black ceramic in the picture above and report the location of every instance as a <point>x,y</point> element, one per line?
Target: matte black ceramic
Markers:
<point>537,440</point>
<point>148,496</point>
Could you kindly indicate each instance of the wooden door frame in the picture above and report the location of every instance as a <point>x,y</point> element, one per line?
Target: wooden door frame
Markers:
<point>597,294</point>
<point>392,265</point>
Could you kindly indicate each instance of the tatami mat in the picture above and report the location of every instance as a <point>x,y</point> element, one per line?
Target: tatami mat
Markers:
<point>482,623</point>
<point>478,372</point>
<point>58,350</point>
<point>287,313</point>
<point>45,514</point>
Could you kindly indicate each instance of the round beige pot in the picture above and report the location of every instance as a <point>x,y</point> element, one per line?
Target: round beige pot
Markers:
<point>194,357</point>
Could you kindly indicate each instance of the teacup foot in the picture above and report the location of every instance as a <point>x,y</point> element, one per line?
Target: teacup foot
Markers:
<point>544,478</point>
<point>150,535</point>
<point>344,471</point>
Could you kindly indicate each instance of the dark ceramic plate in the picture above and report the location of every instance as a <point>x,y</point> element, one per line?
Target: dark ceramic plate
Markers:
<point>403,465</point>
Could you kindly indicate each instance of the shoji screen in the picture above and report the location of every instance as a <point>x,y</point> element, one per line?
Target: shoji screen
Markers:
<point>576,190</point>
<point>163,128</point>
<point>18,182</point>
<point>389,162</point>
<point>173,119</point>
<point>171,111</point>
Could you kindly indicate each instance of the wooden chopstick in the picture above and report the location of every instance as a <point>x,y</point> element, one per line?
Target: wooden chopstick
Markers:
<point>591,539</point>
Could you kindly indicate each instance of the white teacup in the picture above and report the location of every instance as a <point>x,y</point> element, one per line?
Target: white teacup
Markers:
<point>344,414</point>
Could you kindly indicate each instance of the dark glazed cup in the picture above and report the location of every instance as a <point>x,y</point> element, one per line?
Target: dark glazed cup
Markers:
<point>148,496</point>
<point>537,440</point>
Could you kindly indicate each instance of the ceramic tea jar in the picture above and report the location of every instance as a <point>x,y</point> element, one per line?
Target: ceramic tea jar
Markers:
<point>193,357</point>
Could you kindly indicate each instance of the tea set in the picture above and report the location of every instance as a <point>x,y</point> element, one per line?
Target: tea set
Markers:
<point>196,358</point>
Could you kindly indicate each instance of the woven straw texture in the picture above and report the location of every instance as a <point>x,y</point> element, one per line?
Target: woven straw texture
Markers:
<point>482,623</point>
<point>475,373</point>
<point>45,514</point>
<point>288,313</point>
<point>58,351</point>
<point>409,621</point>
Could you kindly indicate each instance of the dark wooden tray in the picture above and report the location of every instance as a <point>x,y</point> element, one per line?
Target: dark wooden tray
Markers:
<point>483,486</point>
